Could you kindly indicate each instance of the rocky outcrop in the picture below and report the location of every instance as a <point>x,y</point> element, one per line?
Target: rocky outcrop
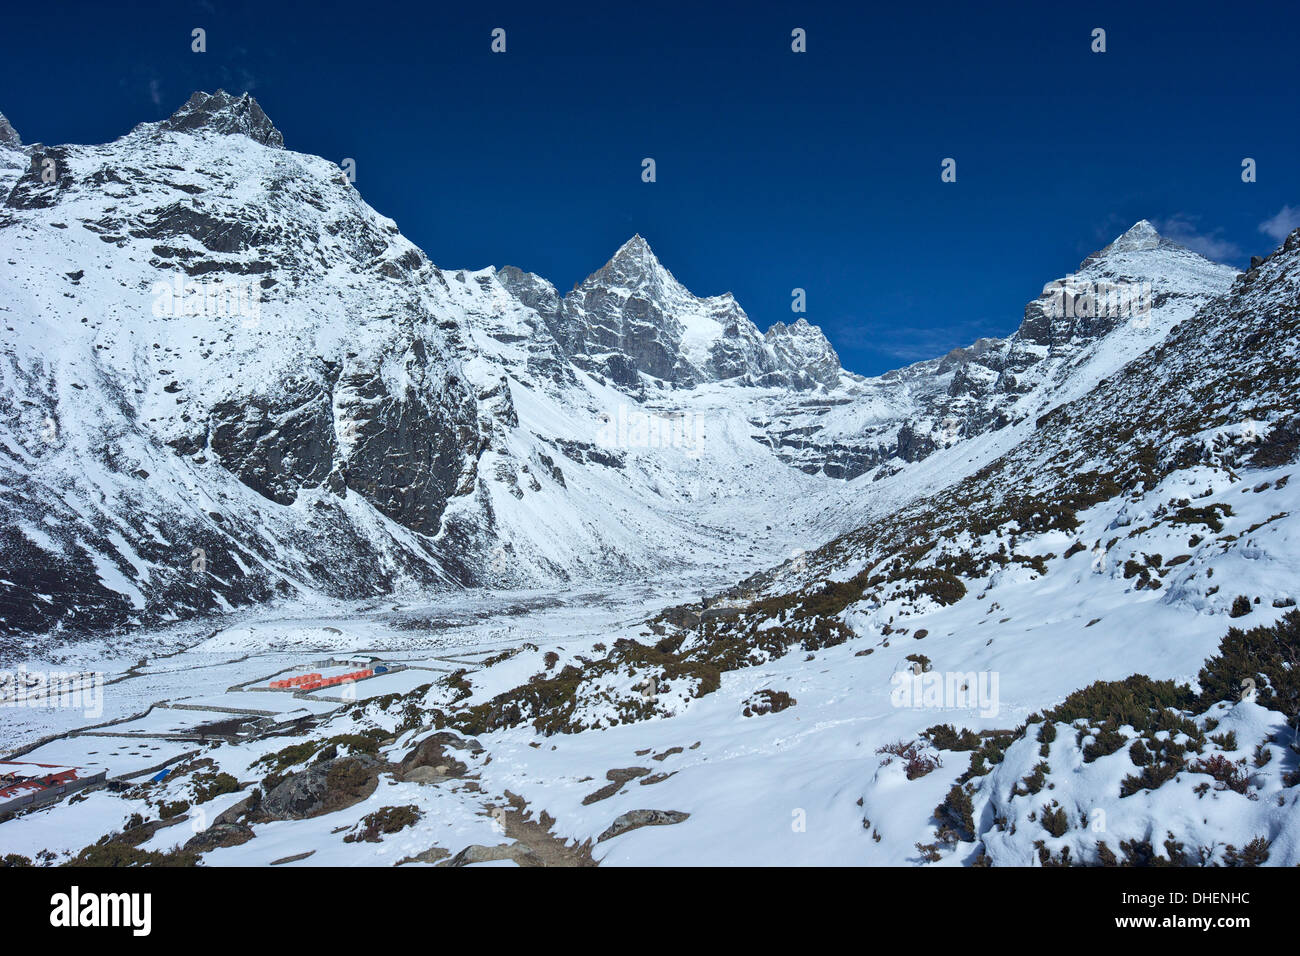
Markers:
<point>219,835</point>
<point>632,317</point>
<point>323,787</point>
<point>433,760</point>
<point>477,853</point>
<point>220,112</point>
<point>8,135</point>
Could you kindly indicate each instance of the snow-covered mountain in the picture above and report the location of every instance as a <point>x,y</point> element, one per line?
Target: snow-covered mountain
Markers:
<point>8,135</point>
<point>210,342</point>
<point>227,378</point>
<point>13,158</point>
<point>1123,300</point>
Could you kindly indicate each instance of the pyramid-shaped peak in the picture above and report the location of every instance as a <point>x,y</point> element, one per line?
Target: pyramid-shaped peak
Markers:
<point>220,112</point>
<point>634,264</point>
<point>8,135</point>
<point>635,249</point>
<point>1140,235</point>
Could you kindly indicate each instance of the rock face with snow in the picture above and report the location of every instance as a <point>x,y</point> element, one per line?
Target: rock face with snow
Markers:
<point>804,354</point>
<point>225,379</point>
<point>1139,272</point>
<point>632,318</point>
<point>13,158</point>
<point>1026,632</point>
<point>218,354</point>
<point>220,112</point>
<point>8,135</point>
<point>228,379</point>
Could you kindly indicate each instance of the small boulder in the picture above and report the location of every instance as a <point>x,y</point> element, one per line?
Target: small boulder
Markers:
<point>477,853</point>
<point>635,819</point>
<point>427,775</point>
<point>219,835</point>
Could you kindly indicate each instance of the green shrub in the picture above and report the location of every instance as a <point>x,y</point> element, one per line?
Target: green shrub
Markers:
<point>1054,820</point>
<point>208,786</point>
<point>383,821</point>
<point>1107,740</point>
<point>946,737</point>
<point>1032,783</point>
<point>1131,701</point>
<point>1255,853</point>
<point>1226,740</point>
<point>1152,777</point>
<point>916,762</point>
<point>168,810</point>
<point>767,702</point>
<point>1210,516</point>
<point>957,811</point>
<point>112,854</point>
<point>1266,655</point>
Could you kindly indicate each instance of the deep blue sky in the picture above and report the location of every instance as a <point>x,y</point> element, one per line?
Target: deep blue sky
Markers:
<point>775,170</point>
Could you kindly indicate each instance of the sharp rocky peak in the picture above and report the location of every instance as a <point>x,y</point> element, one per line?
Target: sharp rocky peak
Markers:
<point>1139,237</point>
<point>799,326</point>
<point>220,112</point>
<point>802,348</point>
<point>635,265</point>
<point>1138,271</point>
<point>8,135</point>
<point>635,250</point>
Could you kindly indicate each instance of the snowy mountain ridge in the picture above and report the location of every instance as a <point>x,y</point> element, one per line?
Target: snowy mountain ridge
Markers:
<point>633,318</point>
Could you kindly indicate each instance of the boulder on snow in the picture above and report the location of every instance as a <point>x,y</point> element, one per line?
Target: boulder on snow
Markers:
<point>323,788</point>
<point>635,819</point>
<point>219,835</point>
<point>477,853</point>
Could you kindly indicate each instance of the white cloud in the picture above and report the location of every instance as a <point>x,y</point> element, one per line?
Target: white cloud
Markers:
<point>1281,225</point>
<point>1186,231</point>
